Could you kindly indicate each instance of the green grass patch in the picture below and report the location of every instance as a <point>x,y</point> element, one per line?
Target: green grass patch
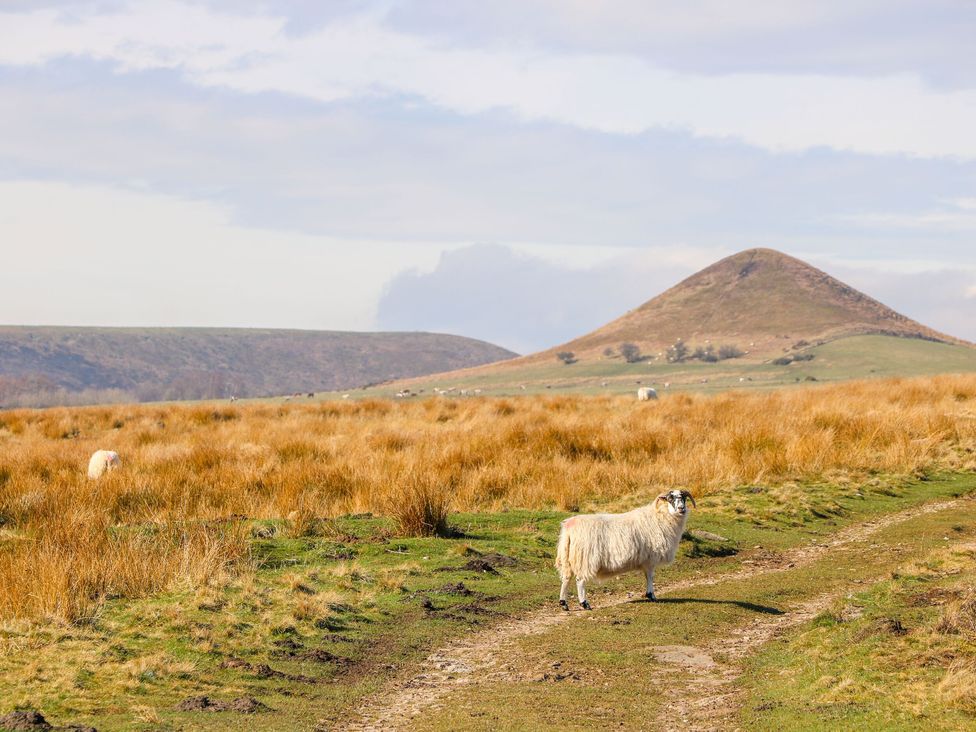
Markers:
<point>616,681</point>
<point>900,655</point>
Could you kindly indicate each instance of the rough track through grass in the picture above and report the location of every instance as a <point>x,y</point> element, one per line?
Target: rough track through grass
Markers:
<point>483,656</point>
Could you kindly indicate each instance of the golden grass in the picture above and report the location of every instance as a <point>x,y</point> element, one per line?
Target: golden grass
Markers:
<point>189,470</point>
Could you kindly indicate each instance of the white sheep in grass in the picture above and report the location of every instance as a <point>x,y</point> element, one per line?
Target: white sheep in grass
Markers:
<point>604,545</point>
<point>646,393</point>
<point>101,461</point>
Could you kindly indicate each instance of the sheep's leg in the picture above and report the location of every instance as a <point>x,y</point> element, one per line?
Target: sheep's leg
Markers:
<point>649,571</point>
<point>581,595</point>
<point>564,593</point>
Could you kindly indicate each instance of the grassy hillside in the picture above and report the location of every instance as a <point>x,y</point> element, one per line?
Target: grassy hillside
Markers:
<point>844,359</point>
<point>760,300</point>
<point>53,364</point>
<point>747,309</point>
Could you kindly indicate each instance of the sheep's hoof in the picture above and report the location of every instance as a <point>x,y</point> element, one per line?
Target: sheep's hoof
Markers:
<point>564,605</point>
<point>651,597</point>
<point>585,605</point>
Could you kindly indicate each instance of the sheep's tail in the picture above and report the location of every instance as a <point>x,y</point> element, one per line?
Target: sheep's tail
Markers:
<point>562,552</point>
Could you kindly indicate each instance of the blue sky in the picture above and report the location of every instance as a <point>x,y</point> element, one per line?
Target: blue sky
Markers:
<point>515,171</point>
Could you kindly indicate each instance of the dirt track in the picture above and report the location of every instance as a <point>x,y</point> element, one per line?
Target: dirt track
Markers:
<point>485,656</point>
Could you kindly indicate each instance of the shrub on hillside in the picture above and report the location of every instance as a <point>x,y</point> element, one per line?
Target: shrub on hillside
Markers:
<point>730,351</point>
<point>630,352</point>
<point>706,354</point>
<point>567,357</point>
<point>678,353</point>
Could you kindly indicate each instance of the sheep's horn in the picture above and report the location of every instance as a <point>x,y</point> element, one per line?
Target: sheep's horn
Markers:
<point>687,495</point>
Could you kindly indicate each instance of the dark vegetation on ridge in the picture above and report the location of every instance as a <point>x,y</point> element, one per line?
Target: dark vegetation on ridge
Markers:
<point>64,365</point>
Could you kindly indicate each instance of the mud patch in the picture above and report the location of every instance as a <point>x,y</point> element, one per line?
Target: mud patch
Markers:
<point>242,705</point>
<point>264,671</point>
<point>27,719</point>
<point>480,565</point>
<point>499,560</point>
<point>556,674</point>
<point>455,589</point>
<point>682,656</point>
<point>935,596</point>
<point>291,651</point>
<point>212,607</point>
<point>489,563</point>
<point>892,626</point>
<point>31,719</point>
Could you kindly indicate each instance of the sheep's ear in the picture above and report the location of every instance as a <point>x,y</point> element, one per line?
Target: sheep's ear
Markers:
<point>663,498</point>
<point>688,497</point>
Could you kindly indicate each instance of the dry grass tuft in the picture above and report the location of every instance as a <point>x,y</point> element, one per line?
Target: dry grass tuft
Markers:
<point>959,617</point>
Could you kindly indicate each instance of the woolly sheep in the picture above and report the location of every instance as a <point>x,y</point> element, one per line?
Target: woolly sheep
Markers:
<point>646,393</point>
<point>101,461</point>
<point>599,546</point>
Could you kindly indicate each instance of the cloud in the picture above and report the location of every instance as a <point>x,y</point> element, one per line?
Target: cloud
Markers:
<point>836,37</point>
<point>361,56</point>
<point>523,302</point>
<point>107,257</point>
<point>935,296</point>
<point>394,171</point>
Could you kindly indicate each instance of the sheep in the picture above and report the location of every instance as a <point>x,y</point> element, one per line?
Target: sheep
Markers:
<point>604,545</point>
<point>646,393</point>
<point>102,460</point>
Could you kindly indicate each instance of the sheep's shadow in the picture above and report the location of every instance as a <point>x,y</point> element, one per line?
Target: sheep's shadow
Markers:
<point>751,606</point>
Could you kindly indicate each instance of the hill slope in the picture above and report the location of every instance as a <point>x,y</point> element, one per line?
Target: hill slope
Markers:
<point>189,363</point>
<point>760,300</point>
<point>771,306</point>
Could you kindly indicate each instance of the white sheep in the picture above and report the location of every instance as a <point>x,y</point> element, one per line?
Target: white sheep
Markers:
<point>604,545</point>
<point>646,393</point>
<point>101,461</point>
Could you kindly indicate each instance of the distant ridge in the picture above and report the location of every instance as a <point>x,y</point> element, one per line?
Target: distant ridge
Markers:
<point>76,364</point>
<point>759,300</point>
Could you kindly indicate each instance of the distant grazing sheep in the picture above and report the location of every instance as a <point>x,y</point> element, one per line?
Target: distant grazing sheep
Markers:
<point>101,461</point>
<point>646,393</point>
<point>604,545</point>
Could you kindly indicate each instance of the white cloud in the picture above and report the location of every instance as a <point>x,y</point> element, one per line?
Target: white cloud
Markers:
<point>359,56</point>
<point>953,215</point>
<point>932,38</point>
<point>927,221</point>
<point>971,292</point>
<point>527,302</point>
<point>99,256</point>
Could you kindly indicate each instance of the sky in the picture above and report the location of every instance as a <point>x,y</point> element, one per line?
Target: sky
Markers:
<point>517,171</point>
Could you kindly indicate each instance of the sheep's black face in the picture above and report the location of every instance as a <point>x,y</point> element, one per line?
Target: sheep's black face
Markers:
<point>676,503</point>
